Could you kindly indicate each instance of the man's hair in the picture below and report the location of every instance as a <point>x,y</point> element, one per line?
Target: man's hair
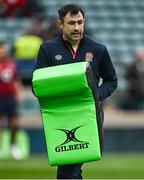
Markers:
<point>72,8</point>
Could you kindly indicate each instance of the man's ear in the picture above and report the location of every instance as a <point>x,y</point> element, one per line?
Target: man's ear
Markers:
<point>60,24</point>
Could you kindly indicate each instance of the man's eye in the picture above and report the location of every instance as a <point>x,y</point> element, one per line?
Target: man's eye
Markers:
<point>80,22</point>
<point>72,23</point>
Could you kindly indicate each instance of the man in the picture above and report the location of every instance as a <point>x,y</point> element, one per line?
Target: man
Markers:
<point>72,47</point>
<point>10,86</point>
<point>135,79</point>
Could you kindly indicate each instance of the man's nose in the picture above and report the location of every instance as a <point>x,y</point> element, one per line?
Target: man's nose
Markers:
<point>77,26</point>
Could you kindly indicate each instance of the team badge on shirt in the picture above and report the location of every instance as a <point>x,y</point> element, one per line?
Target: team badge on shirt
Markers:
<point>58,57</point>
<point>89,56</point>
<point>6,75</point>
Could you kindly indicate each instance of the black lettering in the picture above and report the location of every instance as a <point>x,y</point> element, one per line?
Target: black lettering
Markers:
<point>87,144</point>
<point>72,147</point>
<point>76,146</point>
<point>64,148</point>
<point>81,146</point>
<point>84,145</point>
<point>58,149</point>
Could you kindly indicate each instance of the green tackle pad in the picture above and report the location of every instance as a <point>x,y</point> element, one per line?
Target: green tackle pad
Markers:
<point>69,113</point>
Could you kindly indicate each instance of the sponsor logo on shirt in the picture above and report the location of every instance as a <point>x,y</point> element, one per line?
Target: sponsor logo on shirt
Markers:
<point>58,57</point>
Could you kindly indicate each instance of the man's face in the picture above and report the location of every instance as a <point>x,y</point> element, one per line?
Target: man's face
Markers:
<point>73,27</point>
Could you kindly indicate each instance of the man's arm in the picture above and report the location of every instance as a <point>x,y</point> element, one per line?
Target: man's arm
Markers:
<point>108,75</point>
<point>20,90</point>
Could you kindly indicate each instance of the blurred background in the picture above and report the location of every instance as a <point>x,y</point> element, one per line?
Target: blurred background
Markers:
<point>25,24</point>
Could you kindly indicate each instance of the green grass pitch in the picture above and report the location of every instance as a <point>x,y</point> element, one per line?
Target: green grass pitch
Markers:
<point>112,166</point>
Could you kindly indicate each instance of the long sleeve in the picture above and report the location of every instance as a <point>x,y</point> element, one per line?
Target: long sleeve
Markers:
<point>108,75</point>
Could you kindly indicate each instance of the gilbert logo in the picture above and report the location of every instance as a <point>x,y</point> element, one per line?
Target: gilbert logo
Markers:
<point>71,136</point>
<point>58,57</point>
